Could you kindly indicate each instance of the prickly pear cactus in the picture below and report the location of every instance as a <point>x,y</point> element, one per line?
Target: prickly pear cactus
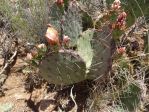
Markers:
<point>70,20</point>
<point>90,60</point>
<point>131,96</point>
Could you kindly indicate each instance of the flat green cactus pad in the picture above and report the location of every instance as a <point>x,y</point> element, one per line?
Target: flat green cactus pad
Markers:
<point>85,50</point>
<point>63,68</point>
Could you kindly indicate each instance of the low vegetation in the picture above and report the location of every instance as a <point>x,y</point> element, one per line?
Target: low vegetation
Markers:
<point>88,55</point>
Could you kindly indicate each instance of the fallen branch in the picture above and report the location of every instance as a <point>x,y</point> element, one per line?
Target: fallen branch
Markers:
<point>9,63</point>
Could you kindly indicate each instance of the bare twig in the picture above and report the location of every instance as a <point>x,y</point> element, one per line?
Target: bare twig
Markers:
<point>73,99</point>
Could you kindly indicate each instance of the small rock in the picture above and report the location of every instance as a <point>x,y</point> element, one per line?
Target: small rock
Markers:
<point>22,96</point>
<point>6,107</point>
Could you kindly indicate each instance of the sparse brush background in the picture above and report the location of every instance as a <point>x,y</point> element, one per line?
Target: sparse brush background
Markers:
<point>28,18</point>
<point>127,89</point>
